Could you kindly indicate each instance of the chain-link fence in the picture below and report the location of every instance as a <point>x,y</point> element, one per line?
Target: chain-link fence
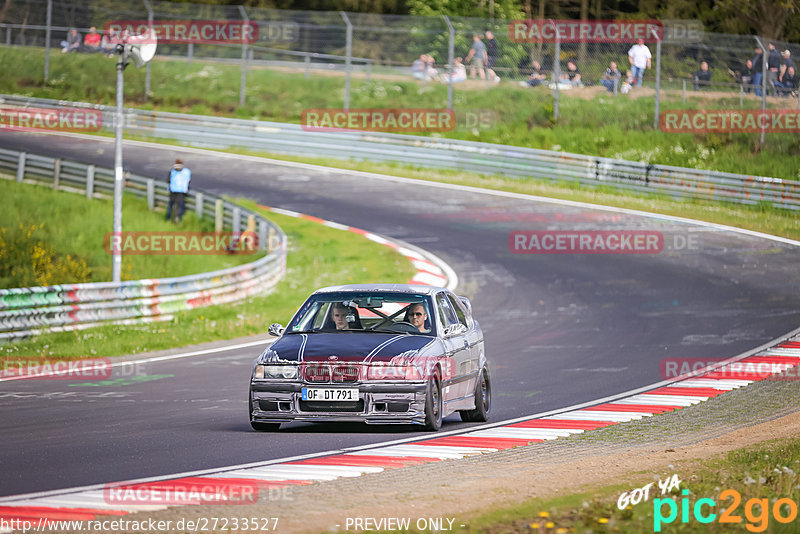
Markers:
<point>436,50</point>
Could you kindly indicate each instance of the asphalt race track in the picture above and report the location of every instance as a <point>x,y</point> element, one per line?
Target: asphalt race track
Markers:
<point>560,328</point>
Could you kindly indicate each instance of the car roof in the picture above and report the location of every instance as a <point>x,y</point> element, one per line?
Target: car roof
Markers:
<point>383,288</point>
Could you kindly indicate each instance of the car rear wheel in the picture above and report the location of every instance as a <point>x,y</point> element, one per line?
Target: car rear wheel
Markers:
<point>483,401</point>
<point>433,403</point>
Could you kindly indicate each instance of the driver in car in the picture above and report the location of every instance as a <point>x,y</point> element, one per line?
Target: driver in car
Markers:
<point>417,316</point>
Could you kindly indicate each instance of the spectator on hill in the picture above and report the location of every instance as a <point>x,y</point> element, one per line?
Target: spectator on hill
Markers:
<point>108,44</point>
<point>537,77</point>
<point>773,67</point>
<point>430,71</point>
<point>419,66</point>
<point>611,77</point>
<point>758,73</point>
<point>477,54</point>
<point>788,83</point>
<point>179,178</point>
<point>72,43</point>
<point>627,84</point>
<point>459,72</point>
<point>747,76</point>
<point>491,55</point>
<point>702,76</point>
<point>787,62</point>
<point>641,59</point>
<point>91,43</point>
<point>572,75</point>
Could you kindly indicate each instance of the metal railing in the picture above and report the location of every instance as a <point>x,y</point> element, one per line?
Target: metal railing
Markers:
<point>469,156</point>
<point>33,310</point>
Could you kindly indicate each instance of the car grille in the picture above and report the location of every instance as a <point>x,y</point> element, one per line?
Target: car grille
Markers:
<point>330,373</point>
<point>324,406</point>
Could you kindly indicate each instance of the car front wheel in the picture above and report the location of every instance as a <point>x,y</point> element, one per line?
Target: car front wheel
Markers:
<point>433,403</point>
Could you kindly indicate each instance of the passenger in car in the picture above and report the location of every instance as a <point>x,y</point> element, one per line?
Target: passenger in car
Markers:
<point>417,316</point>
<point>340,313</point>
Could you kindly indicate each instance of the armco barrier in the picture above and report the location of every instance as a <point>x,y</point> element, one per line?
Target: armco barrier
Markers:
<point>484,158</point>
<point>31,310</point>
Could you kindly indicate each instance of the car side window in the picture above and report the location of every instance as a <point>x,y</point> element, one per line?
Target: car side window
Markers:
<point>462,318</point>
<point>446,309</point>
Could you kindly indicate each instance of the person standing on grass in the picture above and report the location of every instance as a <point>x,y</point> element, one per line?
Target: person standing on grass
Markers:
<point>478,56</point>
<point>641,59</point>
<point>492,53</point>
<point>179,178</point>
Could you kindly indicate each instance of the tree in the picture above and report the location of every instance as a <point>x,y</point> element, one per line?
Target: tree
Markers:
<point>767,18</point>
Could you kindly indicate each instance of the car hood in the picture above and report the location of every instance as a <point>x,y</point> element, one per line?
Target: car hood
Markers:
<point>350,347</point>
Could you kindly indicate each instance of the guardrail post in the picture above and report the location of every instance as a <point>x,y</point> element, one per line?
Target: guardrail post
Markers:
<point>237,220</point>
<point>56,172</point>
<point>21,166</point>
<point>271,239</point>
<point>263,244</point>
<point>151,194</point>
<point>90,181</point>
<point>218,220</point>
<point>198,205</point>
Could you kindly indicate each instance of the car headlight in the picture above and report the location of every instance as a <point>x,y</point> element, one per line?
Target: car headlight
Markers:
<point>393,372</point>
<point>287,372</point>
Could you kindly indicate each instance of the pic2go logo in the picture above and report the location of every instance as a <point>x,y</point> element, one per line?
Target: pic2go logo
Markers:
<point>756,511</point>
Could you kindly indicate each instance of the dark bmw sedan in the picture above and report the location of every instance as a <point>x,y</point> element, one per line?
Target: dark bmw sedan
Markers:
<point>378,353</point>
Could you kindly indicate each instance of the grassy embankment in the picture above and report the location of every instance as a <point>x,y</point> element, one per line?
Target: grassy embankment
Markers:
<point>765,473</point>
<point>591,122</point>
<point>318,256</point>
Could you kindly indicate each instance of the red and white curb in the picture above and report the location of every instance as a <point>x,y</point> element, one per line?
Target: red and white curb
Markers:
<point>431,270</point>
<point>89,502</point>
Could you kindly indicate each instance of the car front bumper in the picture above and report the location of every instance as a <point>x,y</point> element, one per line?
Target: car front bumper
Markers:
<point>385,402</point>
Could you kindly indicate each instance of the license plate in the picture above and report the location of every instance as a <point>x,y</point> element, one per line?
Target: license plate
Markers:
<point>330,394</point>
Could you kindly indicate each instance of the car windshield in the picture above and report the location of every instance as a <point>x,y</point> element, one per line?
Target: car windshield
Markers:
<point>396,313</point>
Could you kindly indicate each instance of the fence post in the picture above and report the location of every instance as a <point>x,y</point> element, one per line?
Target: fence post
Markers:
<point>21,166</point>
<point>263,244</point>
<point>56,172</point>
<point>147,67</point>
<point>47,40</point>
<point>151,194</point>
<point>741,96</point>
<point>764,51</point>
<point>307,62</point>
<point>348,60</point>
<point>556,68</point>
<point>90,181</point>
<point>450,53</point>
<point>189,54</point>
<point>243,86</point>
<point>683,94</point>
<point>658,79</point>
<point>198,205</point>
<point>218,216</point>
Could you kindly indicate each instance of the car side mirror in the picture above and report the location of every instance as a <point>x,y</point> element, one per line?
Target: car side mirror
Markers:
<point>454,329</point>
<point>275,329</point>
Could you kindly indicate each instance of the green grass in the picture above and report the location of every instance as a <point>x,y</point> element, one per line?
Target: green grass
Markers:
<point>766,471</point>
<point>620,127</point>
<point>54,237</point>
<point>318,256</point>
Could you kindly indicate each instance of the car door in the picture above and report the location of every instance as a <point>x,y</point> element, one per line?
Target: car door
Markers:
<point>457,347</point>
<point>473,338</point>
